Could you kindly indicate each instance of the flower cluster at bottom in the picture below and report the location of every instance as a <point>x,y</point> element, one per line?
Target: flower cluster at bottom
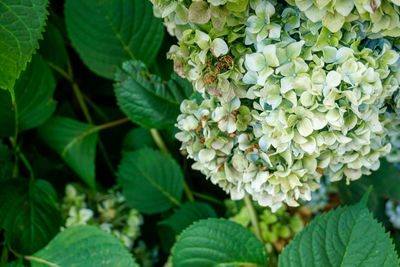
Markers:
<point>108,211</point>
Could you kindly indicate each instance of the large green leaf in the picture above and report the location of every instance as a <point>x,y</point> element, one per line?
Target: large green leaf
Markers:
<point>218,242</point>
<point>28,214</point>
<point>75,141</point>
<point>187,214</point>
<point>83,246</point>
<point>108,32</point>
<point>34,102</point>
<point>21,24</point>
<point>151,181</point>
<point>146,99</point>
<point>347,236</point>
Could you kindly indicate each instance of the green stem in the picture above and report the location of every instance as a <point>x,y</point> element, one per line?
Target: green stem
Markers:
<point>26,163</point>
<point>69,75</point>
<point>188,192</point>
<point>208,198</point>
<point>109,125</point>
<point>13,142</point>
<point>253,217</point>
<point>59,70</point>
<point>81,102</point>
<point>161,145</point>
<point>4,255</point>
<point>95,108</point>
<point>39,260</point>
<point>159,141</point>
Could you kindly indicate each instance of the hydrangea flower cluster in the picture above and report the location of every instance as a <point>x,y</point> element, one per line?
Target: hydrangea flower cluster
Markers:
<point>288,93</point>
<point>108,211</point>
<point>379,17</point>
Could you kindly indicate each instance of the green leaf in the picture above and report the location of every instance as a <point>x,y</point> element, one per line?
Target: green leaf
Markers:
<point>83,246</point>
<point>151,181</point>
<point>34,102</point>
<point>75,142</point>
<point>347,236</point>
<point>21,25</point>
<point>218,242</point>
<point>109,32</point>
<point>187,214</point>
<point>138,138</point>
<point>52,47</point>
<point>146,99</point>
<point>28,214</point>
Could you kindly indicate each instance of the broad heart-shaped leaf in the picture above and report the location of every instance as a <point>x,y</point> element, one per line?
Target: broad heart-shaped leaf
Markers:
<point>146,99</point>
<point>218,242</point>
<point>34,102</point>
<point>347,236</point>
<point>21,25</point>
<point>187,214</point>
<point>108,32</point>
<point>28,214</point>
<point>75,141</point>
<point>151,181</point>
<point>83,246</point>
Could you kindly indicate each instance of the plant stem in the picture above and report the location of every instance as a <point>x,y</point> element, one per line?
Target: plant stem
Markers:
<point>36,259</point>
<point>161,145</point>
<point>15,165</point>
<point>253,216</point>
<point>82,104</point>
<point>159,141</point>
<point>188,193</point>
<point>95,108</point>
<point>110,124</point>
<point>208,198</point>
<point>4,255</point>
<point>25,161</point>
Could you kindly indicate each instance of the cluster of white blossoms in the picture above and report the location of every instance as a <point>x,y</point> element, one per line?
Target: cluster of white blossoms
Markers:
<point>108,211</point>
<point>378,16</point>
<point>285,97</point>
